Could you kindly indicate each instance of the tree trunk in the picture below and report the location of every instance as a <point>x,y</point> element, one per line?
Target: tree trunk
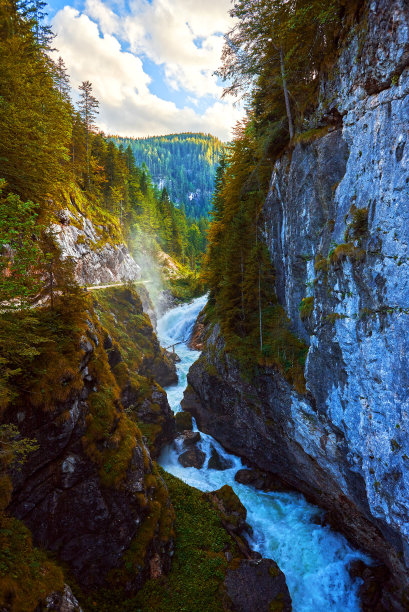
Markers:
<point>286,96</point>
<point>259,308</point>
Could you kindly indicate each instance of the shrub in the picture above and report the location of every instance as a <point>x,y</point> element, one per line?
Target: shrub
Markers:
<point>306,307</point>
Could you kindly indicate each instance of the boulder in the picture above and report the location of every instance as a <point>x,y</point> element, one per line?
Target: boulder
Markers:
<point>61,602</point>
<point>190,438</point>
<point>217,462</point>
<point>183,421</point>
<point>261,480</point>
<point>193,457</point>
<point>258,585</point>
<point>233,512</point>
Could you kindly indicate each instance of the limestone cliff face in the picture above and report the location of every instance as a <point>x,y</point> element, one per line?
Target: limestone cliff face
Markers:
<point>358,329</point>
<point>337,227</point>
<point>95,263</point>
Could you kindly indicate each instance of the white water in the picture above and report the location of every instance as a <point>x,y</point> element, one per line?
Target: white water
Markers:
<point>313,558</point>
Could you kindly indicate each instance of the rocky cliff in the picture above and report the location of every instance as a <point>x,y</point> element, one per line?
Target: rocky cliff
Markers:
<point>90,493</point>
<point>336,225</point>
<point>98,261</point>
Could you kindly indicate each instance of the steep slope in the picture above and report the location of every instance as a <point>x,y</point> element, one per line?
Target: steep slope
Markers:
<point>337,231</point>
<point>91,493</point>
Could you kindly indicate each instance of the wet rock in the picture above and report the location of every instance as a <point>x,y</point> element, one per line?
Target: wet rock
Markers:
<point>172,356</point>
<point>183,421</point>
<point>162,369</point>
<point>260,480</point>
<point>372,592</point>
<point>193,457</point>
<point>197,337</point>
<point>233,512</point>
<point>190,438</point>
<point>154,412</point>
<point>258,586</point>
<point>217,462</point>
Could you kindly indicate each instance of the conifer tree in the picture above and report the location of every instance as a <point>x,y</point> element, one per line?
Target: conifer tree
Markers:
<point>88,110</point>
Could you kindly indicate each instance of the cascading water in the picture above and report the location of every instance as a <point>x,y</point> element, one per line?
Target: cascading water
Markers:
<point>313,558</point>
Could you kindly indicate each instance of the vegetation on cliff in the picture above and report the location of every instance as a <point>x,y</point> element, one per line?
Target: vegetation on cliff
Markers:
<point>199,566</point>
<point>273,57</point>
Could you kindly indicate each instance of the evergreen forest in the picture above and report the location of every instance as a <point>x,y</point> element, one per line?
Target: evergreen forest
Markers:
<point>183,163</point>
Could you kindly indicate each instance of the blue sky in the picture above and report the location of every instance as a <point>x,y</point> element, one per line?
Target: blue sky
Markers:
<point>151,62</point>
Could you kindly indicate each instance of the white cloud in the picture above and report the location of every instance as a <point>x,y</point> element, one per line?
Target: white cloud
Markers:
<point>120,83</point>
<point>185,36</point>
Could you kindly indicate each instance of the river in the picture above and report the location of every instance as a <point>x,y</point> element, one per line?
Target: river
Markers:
<point>313,558</point>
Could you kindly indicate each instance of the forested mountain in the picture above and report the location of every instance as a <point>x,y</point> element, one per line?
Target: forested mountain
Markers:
<point>183,163</point>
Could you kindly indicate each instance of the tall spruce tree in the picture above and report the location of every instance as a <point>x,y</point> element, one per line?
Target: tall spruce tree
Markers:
<point>88,110</point>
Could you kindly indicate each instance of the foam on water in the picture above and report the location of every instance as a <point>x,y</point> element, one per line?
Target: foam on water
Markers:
<point>285,526</point>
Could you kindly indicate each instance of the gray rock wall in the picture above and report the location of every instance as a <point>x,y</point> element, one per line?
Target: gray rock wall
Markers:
<point>94,264</point>
<point>359,329</point>
<point>345,444</point>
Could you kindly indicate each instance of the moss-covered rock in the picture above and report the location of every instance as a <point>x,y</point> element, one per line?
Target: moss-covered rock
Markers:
<point>183,421</point>
<point>91,494</point>
<point>233,512</point>
<point>258,585</point>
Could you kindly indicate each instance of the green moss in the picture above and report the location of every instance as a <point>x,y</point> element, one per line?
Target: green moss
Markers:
<point>347,250</point>
<point>27,576</point>
<point>183,421</point>
<point>195,581</point>
<point>277,605</point>
<point>110,437</point>
<point>321,264</point>
<point>310,136</point>
<point>274,571</point>
<point>358,226</point>
<point>230,501</point>
<point>334,316</point>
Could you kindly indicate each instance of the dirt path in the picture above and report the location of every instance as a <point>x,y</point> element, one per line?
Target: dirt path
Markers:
<point>95,287</point>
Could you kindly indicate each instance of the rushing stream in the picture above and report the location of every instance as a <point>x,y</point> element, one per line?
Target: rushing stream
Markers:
<point>313,558</point>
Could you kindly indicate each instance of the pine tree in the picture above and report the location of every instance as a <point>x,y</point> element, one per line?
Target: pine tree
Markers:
<point>35,122</point>
<point>88,110</point>
<point>62,79</point>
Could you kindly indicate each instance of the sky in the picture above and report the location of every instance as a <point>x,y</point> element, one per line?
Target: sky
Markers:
<point>151,62</point>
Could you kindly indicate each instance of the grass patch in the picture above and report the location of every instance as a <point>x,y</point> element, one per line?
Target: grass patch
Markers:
<point>347,251</point>
<point>27,576</point>
<point>310,136</point>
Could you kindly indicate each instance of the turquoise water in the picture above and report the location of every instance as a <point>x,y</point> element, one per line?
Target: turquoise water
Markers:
<point>313,558</point>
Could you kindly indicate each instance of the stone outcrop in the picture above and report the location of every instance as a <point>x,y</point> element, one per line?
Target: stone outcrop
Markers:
<point>61,602</point>
<point>197,338</point>
<point>91,493</point>
<point>337,228</point>
<point>254,583</point>
<point>95,263</point>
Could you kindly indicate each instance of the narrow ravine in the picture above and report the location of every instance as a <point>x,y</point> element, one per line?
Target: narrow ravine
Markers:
<point>313,558</point>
